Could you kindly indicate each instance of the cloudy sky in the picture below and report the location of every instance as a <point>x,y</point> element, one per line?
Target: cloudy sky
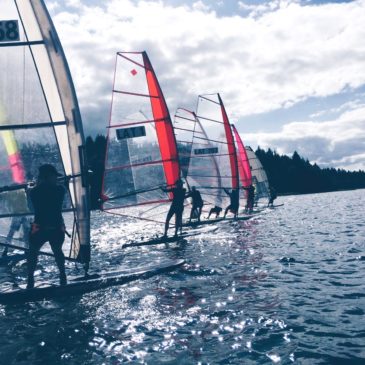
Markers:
<point>291,72</point>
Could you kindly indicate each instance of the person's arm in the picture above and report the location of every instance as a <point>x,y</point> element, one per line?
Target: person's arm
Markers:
<point>226,191</point>
<point>171,190</point>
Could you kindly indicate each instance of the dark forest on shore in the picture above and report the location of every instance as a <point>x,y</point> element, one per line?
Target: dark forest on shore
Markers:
<point>288,175</point>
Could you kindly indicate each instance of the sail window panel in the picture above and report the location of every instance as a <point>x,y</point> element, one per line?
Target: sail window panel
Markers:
<point>119,187</point>
<point>131,77</point>
<point>131,110</point>
<point>30,23</point>
<point>145,178</point>
<point>35,147</point>
<point>48,82</point>
<point>20,236</point>
<point>21,95</point>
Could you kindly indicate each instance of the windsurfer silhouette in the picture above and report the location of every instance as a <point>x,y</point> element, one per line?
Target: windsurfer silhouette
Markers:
<point>273,196</point>
<point>234,203</point>
<point>215,210</point>
<point>197,203</point>
<point>47,198</point>
<point>250,198</point>
<point>177,206</point>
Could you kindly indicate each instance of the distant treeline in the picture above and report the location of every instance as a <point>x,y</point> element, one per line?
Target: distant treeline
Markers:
<point>296,175</point>
<point>288,175</point>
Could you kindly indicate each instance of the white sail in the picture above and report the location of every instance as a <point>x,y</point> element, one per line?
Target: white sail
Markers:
<point>259,177</point>
<point>40,120</point>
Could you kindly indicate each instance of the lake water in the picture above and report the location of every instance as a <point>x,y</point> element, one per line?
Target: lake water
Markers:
<point>286,287</point>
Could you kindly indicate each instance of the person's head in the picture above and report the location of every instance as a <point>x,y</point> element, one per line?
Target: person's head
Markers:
<point>179,183</point>
<point>48,173</point>
<point>193,188</point>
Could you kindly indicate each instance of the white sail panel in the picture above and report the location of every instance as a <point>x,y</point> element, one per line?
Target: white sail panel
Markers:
<point>259,177</point>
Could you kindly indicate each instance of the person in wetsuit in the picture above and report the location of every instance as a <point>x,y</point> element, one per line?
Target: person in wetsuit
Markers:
<point>215,210</point>
<point>234,203</point>
<point>47,199</point>
<point>177,206</point>
<point>197,203</point>
<point>273,196</point>
<point>250,198</point>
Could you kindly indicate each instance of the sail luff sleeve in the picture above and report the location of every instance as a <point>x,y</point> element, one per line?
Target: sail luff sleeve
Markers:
<point>165,132</point>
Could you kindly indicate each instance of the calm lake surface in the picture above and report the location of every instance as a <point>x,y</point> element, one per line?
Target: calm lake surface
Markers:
<point>286,287</point>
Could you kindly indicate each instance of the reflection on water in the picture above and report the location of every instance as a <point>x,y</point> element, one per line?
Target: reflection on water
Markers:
<point>284,287</point>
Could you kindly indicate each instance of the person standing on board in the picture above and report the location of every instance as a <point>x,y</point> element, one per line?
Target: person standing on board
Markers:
<point>273,196</point>
<point>47,198</point>
<point>197,203</point>
<point>177,206</point>
<point>250,198</point>
<point>234,203</point>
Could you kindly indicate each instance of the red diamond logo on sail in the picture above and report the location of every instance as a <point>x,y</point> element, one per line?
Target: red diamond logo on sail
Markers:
<point>134,72</point>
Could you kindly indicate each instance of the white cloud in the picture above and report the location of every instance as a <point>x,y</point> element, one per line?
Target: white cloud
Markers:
<point>275,59</point>
<point>339,142</point>
<point>200,5</point>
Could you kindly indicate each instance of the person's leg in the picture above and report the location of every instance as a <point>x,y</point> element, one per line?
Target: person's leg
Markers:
<point>168,218</point>
<point>226,211</point>
<point>36,240</point>
<point>192,213</point>
<point>199,212</point>
<point>56,240</point>
<point>178,222</point>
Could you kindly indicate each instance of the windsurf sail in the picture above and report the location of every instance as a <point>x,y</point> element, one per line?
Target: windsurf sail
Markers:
<point>259,177</point>
<point>213,162</point>
<point>40,121</point>
<point>244,167</point>
<point>141,155</point>
<point>184,126</point>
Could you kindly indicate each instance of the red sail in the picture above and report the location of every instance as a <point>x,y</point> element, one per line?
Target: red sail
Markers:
<point>165,132</point>
<point>231,146</point>
<point>243,163</point>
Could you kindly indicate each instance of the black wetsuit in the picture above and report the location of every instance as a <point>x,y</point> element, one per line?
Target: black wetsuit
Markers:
<point>273,196</point>
<point>177,208</point>
<point>234,201</point>
<point>197,203</point>
<point>48,226</point>
<point>250,197</point>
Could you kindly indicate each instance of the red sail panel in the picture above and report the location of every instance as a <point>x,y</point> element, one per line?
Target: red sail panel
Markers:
<point>231,146</point>
<point>243,163</point>
<point>165,132</point>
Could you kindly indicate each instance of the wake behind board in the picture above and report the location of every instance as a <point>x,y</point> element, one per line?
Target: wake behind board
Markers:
<point>160,240</point>
<point>276,206</point>
<point>217,220</point>
<point>82,285</point>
